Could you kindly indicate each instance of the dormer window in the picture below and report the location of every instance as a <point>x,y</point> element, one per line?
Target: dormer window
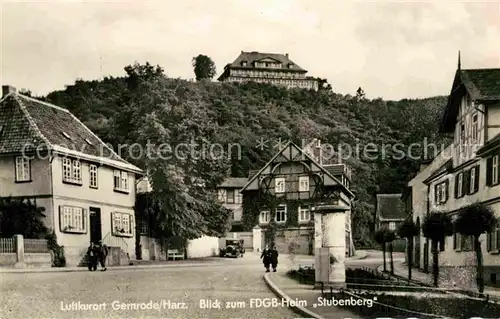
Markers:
<point>290,65</point>
<point>66,135</point>
<point>244,63</point>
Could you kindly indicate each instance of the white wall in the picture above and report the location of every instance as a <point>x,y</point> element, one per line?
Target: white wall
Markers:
<point>203,247</point>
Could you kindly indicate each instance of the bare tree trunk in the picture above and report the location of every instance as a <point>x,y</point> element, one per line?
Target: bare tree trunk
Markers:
<point>435,262</point>
<point>479,261</point>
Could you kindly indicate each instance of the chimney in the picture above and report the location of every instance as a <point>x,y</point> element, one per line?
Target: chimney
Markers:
<point>286,54</point>
<point>7,89</point>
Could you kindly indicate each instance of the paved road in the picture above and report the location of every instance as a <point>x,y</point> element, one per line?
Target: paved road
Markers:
<point>41,295</point>
<point>50,295</point>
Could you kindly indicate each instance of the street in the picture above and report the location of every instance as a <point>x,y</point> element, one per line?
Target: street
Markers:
<point>122,293</point>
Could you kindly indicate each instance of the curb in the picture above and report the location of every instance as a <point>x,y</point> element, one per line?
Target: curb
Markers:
<point>117,268</point>
<point>298,309</point>
<point>364,255</point>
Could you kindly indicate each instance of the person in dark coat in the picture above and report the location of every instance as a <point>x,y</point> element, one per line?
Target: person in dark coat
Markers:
<point>274,258</point>
<point>266,257</point>
<point>92,253</point>
<point>103,254</point>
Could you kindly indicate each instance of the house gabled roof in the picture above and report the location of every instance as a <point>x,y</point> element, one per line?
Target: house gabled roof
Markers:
<point>389,207</point>
<point>234,182</point>
<point>254,56</point>
<point>481,85</point>
<point>291,144</point>
<point>29,125</point>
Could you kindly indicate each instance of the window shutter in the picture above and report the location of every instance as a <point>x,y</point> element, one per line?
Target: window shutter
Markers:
<point>446,191</point>
<point>112,223</point>
<point>436,194</point>
<point>489,171</point>
<point>456,185</point>
<point>455,241</point>
<point>84,220</point>
<point>466,183</point>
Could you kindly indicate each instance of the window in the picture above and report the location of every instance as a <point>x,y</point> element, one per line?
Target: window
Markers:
<point>66,135</point>
<point>121,181</point>
<point>392,226</point>
<point>230,196</point>
<point>474,127</point>
<point>264,217</point>
<point>457,244</point>
<point>304,214</point>
<point>474,180</point>
<point>122,224</point>
<point>462,133</point>
<point>222,195</point>
<point>23,169</point>
<point>493,239</point>
<point>72,219</point>
<point>93,176</point>
<point>281,214</point>
<point>303,183</point>
<point>279,186</point>
<point>72,171</point>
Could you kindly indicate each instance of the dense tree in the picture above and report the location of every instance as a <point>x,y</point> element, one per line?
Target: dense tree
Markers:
<point>475,220</point>
<point>408,229</point>
<point>204,67</point>
<point>436,226</point>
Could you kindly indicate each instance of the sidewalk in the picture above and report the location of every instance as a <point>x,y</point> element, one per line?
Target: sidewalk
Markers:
<point>401,270</point>
<point>195,262</point>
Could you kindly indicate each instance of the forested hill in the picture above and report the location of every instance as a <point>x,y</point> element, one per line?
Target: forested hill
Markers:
<point>145,105</point>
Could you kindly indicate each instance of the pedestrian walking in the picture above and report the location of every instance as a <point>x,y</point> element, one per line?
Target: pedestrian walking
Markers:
<point>266,257</point>
<point>103,254</point>
<point>274,258</point>
<point>92,253</point>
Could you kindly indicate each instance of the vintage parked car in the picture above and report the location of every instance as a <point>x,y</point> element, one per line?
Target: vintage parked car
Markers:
<point>234,248</point>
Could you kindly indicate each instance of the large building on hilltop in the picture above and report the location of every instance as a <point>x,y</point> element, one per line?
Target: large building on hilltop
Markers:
<point>273,68</point>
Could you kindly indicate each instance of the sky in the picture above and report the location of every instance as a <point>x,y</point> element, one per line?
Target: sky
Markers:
<point>392,50</point>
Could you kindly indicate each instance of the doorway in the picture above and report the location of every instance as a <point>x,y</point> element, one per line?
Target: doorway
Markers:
<point>95,224</point>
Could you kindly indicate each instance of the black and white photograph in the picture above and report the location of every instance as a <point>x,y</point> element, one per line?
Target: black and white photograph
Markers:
<point>238,159</point>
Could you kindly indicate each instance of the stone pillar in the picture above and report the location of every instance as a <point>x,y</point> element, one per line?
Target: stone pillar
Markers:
<point>19,242</point>
<point>257,239</point>
<point>330,223</point>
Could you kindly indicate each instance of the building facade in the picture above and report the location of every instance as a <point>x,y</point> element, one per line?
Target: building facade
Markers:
<point>294,184</point>
<point>271,68</point>
<point>87,190</point>
<point>466,172</point>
